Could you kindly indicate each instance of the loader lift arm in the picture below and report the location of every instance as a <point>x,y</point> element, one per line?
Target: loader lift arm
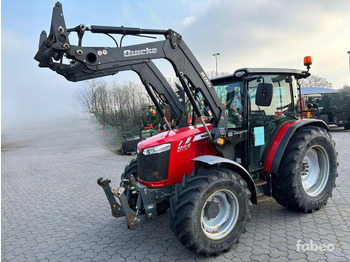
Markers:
<point>92,62</point>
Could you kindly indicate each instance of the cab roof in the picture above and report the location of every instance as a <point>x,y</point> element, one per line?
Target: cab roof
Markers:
<point>271,70</point>
<point>248,71</point>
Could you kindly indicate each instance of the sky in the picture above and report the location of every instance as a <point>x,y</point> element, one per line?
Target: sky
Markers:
<point>256,33</point>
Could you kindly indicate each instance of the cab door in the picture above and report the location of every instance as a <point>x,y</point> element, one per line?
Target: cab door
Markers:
<point>265,121</point>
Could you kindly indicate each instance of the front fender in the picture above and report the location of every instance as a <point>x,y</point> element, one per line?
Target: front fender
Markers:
<point>234,166</point>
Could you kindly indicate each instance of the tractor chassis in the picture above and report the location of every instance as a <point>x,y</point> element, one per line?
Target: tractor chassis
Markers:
<point>147,199</point>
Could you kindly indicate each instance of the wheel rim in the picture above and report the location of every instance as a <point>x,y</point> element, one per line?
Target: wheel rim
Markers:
<point>219,214</point>
<point>315,172</point>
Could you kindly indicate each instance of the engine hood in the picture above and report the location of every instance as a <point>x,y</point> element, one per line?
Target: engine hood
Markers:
<point>172,136</point>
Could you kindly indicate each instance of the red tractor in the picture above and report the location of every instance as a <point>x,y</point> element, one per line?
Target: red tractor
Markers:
<point>254,144</point>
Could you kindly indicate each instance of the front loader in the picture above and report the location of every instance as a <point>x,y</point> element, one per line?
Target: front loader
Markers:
<point>250,144</point>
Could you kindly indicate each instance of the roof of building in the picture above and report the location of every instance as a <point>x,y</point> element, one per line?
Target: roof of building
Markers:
<point>317,90</point>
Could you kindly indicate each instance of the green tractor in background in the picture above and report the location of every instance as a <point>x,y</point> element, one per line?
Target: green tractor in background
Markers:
<point>152,126</point>
<point>328,105</point>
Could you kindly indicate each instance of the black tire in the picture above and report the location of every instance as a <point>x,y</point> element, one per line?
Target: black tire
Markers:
<point>325,118</point>
<point>132,168</point>
<point>287,184</point>
<point>347,125</point>
<point>189,200</point>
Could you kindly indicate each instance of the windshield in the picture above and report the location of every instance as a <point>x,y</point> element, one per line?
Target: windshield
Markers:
<point>230,96</point>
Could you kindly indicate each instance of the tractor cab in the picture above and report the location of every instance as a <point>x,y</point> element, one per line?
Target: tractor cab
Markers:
<point>261,101</point>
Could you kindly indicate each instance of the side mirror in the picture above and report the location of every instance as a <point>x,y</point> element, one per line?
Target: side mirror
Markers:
<point>264,94</point>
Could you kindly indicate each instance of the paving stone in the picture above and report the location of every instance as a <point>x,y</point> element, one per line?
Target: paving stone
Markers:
<point>244,256</point>
<point>262,257</point>
<point>154,257</point>
<point>279,259</point>
<point>102,256</point>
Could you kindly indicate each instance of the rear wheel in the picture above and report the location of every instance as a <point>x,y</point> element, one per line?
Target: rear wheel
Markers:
<point>209,210</point>
<point>347,125</point>
<point>307,172</point>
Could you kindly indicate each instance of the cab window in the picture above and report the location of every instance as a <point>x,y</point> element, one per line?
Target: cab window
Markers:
<point>231,98</point>
<point>281,103</point>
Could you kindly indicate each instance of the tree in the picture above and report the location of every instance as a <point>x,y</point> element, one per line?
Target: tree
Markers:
<point>120,106</point>
<point>315,81</point>
<point>129,101</point>
<point>345,89</point>
<point>212,73</point>
<point>94,99</point>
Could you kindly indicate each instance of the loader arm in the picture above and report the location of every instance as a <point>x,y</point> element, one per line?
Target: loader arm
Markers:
<point>92,62</point>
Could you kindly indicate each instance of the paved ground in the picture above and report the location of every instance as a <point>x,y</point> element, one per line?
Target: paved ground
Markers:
<point>53,210</point>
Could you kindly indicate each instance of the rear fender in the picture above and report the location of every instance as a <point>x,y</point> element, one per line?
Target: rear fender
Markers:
<point>282,138</point>
<point>234,166</point>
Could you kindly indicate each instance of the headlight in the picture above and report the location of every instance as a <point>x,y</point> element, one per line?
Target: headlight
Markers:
<point>156,149</point>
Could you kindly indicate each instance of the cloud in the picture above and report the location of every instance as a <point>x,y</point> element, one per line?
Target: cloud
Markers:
<point>198,9</point>
<point>10,41</point>
<point>188,20</point>
<point>272,34</point>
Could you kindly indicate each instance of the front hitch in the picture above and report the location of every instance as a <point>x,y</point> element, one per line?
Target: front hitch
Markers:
<point>117,210</point>
<point>144,207</point>
<point>133,219</point>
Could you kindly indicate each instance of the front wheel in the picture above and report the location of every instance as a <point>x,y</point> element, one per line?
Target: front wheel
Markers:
<point>307,172</point>
<point>209,210</point>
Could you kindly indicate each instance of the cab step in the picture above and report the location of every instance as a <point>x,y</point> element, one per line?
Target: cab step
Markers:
<point>260,182</point>
<point>263,198</point>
